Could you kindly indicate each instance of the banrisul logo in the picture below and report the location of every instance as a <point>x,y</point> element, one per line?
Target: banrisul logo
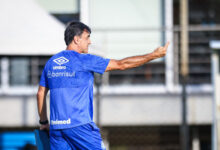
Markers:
<point>61,60</point>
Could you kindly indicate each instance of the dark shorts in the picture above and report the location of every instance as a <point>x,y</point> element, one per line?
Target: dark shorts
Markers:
<point>84,137</point>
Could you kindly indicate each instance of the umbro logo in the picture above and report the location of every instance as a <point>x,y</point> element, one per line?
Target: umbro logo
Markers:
<point>61,60</point>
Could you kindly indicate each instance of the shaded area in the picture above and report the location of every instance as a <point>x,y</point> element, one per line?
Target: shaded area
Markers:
<point>154,137</point>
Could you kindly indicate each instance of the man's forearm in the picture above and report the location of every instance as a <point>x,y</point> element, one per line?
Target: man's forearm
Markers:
<point>41,103</point>
<point>135,61</point>
<point>42,108</point>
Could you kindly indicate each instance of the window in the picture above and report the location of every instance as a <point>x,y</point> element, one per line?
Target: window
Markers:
<point>203,12</point>
<point>64,11</point>
<point>19,71</point>
<point>200,56</point>
<point>151,73</point>
<point>126,28</point>
<point>203,20</point>
<point>25,71</point>
<point>0,71</point>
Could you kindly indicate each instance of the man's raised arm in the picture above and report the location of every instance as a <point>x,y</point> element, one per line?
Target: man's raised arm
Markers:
<point>135,61</point>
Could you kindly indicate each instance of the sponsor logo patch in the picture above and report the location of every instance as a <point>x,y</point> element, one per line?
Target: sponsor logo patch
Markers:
<point>59,67</point>
<point>54,122</point>
<point>61,60</point>
<point>60,74</point>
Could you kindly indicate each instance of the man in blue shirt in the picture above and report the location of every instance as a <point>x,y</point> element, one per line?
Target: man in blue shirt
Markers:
<point>69,76</point>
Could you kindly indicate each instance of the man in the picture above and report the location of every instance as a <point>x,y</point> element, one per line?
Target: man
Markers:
<point>69,77</point>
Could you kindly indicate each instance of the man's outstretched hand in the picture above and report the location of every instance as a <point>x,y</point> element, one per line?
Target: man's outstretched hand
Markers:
<point>161,51</point>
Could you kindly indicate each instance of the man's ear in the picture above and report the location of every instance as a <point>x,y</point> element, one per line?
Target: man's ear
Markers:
<point>76,39</point>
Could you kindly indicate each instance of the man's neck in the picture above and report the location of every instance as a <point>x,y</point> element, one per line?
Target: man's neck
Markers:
<point>73,48</point>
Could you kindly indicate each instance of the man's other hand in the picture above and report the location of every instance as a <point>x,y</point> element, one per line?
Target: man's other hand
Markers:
<point>45,127</point>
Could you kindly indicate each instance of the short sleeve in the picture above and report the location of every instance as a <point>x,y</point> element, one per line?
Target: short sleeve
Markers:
<point>43,79</point>
<point>95,63</point>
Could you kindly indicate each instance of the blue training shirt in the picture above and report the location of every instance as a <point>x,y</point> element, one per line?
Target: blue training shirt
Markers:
<point>69,75</point>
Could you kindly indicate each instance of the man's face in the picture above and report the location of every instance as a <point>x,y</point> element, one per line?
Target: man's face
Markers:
<point>84,41</point>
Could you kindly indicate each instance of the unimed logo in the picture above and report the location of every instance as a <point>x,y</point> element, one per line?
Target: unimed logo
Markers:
<point>54,122</point>
<point>61,60</point>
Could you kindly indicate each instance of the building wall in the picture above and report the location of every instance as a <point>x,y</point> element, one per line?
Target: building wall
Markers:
<point>123,110</point>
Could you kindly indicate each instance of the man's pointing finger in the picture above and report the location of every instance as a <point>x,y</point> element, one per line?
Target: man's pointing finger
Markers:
<point>167,44</point>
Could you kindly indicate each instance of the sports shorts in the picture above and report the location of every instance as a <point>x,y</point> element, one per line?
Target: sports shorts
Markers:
<point>83,137</point>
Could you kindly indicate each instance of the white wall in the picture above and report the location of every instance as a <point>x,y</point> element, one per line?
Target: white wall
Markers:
<point>117,110</point>
<point>154,110</point>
